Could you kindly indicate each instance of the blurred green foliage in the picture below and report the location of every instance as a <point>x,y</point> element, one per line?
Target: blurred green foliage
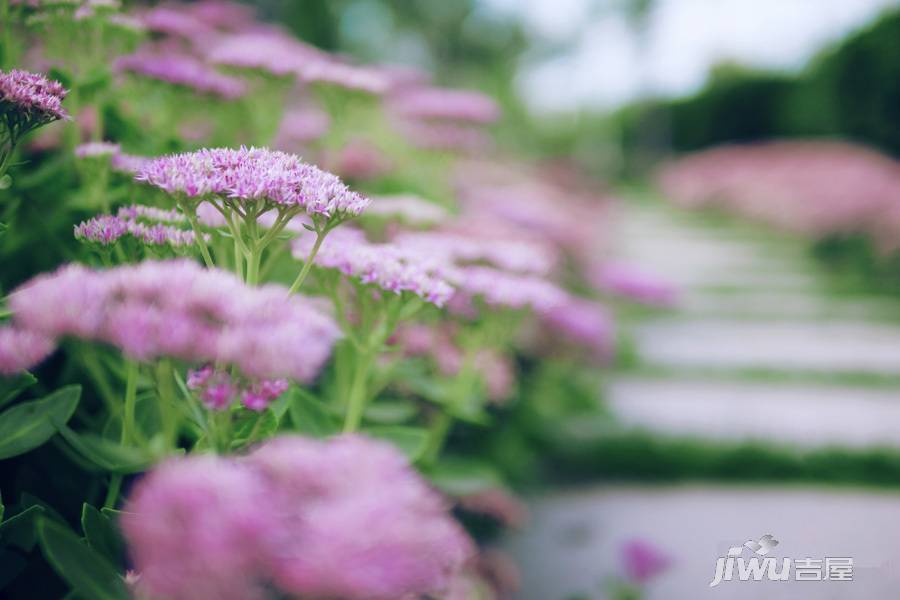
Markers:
<point>849,91</point>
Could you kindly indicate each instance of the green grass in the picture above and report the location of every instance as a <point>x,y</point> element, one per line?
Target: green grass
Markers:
<point>639,456</point>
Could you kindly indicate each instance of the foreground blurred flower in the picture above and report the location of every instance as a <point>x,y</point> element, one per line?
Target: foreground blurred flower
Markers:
<point>344,518</point>
<point>21,349</point>
<point>180,310</point>
<point>193,527</point>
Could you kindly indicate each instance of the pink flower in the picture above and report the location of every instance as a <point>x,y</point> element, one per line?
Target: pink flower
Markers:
<point>35,98</point>
<point>181,310</point>
<point>254,175</point>
<point>97,149</point>
<point>445,104</point>
<point>643,561</point>
<point>407,208</point>
<point>182,70</point>
<point>21,349</point>
<point>583,322</point>
<point>357,522</point>
<point>193,527</point>
<point>387,266</point>
<point>630,282</point>
<point>344,518</point>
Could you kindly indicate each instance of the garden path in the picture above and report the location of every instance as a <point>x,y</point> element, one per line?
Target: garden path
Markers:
<point>759,348</point>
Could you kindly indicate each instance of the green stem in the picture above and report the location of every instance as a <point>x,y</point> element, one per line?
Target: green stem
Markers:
<point>198,236</point>
<point>253,267</point>
<point>130,403</point>
<point>356,402</point>
<point>238,260</point>
<point>112,492</point>
<point>437,435</point>
<point>320,237</point>
<point>165,384</point>
<point>95,370</point>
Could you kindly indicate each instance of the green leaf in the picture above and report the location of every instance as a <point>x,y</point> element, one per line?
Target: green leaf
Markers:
<point>103,536</point>
<point>390,413</point>
<point>10,387</point>
<point>461,477</point>
<point>310,415</point>
<point>18,530</point>
<point>412,441</point>
<point>106,454</point>
<point>27,425</point>
<point>89,574</point>
<point>252,426</point>
<point>11,564</point>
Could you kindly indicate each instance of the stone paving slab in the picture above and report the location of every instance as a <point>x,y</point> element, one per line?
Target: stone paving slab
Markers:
<point>857,346</point>
<point>575,537</point>
<point>790,414</point>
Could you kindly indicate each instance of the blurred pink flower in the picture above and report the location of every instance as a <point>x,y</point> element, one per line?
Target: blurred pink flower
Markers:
<point>630,282</point>
<point>643,561</point>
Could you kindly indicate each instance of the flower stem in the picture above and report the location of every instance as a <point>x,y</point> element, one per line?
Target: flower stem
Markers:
<point>253,267</point>
<point>130,403</point>
<point>112,492</point>
<point>198,237</point>
<point>320,236</point>
<point>437,435</point>
<point>356,402</point>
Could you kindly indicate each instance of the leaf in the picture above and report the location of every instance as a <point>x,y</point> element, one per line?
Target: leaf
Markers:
<point>89,574</point>
<point>27,425</point>
<point>18,530</point>
<point>10,387</point>
<point>11,564</point>
<point>253,426</point>
<point>106,454</point>
<point>103,536</point>
<point>412,441</point>
<point>390,413</point>
<point>462,477</point>
<point>310,415</point>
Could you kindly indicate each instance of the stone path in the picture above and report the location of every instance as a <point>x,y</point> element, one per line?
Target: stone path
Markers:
<point>575,538</point>
<point>751,304</point>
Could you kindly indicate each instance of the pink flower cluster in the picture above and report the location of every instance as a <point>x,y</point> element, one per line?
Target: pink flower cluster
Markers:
<point>299,126</point>
<point>408,208</point>
<point>344,518</point>
<point>814,187</point>
<point>217,390</point>
<point>182,70</point>
<point>273,52</point>
<point>97,149</point>
<point>445,104</point>
<point>583,322</point>
<point>630,282</point>
<point>108,229</point>
<point>21,349</point>
<point>257,175</point>
<point>437,343</point>
<point>30,99</point>
<point>510,254</point>
<point>387,266</point>
<point>178,309</point>
<point>510,290</point>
